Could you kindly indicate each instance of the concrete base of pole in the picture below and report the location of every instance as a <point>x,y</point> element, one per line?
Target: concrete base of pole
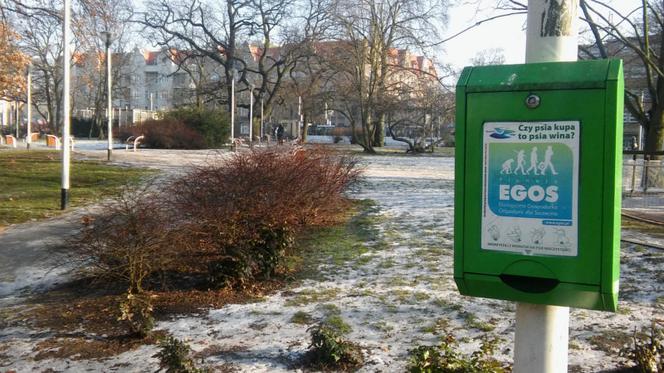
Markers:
<point>64,199</point>
<point>540,343</point>
<point>27,146</point>
<point>110,152</point>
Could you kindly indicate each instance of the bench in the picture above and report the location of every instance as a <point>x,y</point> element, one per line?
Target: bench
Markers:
<point>134,141</point>
<point>54,142</point>
<point>34,136</point>
<point>238,142</point>
<point>10,140</point>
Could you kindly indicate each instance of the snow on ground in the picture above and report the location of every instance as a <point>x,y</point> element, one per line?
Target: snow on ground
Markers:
<point>396,296</point>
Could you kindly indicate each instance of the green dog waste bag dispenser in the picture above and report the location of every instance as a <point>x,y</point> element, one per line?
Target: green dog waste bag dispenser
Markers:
<point>537,183</point>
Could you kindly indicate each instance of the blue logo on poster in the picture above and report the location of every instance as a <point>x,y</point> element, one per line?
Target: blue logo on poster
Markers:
<point>501,133</point>
<point>531,180</point>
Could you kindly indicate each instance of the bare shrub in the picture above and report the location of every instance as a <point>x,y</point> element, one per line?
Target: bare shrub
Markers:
<point>242,214</point>
<point>226,223</point>
<point>127,242</point>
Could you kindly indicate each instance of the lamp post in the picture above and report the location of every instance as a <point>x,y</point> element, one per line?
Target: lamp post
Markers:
<point>260,138</point>
<point>300,120</point>
<point>232,106</point>
<point>64,193</point>
<point>109,86</point>
<point>28,139</point>
<point>251,115</point>
<point>18,118</point>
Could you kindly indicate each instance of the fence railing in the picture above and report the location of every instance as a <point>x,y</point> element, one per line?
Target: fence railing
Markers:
<point>641,173</point>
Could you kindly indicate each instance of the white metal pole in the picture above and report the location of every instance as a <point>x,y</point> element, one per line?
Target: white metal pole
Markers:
<point>251,114</point>
<point>542,331</point>
<point>29,88</point>
<point>552,31</point>
<point>64,193</point>
<point>110,99</point>
<point>262,130</point>
<point>299,116</point>
<point>541,338</point>
<point>18,119</point>
<point>151,106</point>
<point>327,119</point>
<point>232,106</point>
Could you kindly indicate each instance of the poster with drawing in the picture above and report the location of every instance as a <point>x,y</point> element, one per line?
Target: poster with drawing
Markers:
<point>530,187</point>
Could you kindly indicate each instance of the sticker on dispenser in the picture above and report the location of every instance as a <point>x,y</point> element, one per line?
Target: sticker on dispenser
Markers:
<point>530,187</point>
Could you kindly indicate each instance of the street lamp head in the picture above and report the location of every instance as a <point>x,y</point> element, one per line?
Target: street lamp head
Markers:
<point>107,37</point>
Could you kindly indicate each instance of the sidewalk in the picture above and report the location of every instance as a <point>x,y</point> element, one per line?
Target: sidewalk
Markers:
<point>648,215</point>
<point>649,208</point>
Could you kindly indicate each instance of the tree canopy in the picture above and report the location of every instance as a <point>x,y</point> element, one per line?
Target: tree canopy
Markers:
<point>636,36</point>
<point>12,64</point>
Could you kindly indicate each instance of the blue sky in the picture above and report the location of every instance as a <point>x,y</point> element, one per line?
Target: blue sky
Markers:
<point>507,33</point>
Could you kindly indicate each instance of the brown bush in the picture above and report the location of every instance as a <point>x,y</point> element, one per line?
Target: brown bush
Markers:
<point>226,223</point>
<point>244,212</point>
<point>128,242</point>
<point>166,134</point>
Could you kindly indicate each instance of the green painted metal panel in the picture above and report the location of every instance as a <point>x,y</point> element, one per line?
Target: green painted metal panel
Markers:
<point>578,113</point>
<point>577,75</point>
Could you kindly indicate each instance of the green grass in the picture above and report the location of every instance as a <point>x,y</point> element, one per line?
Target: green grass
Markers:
<point>337,323</point>
<point>302,318</point>
<point>31,184</point>
<point>308,296</point>
<point>437,326</point>
<point>341,244</point>
<point>473,322</point>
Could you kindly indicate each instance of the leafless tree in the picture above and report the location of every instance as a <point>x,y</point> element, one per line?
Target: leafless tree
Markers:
<point>39,23</point>
<point>239,36</point>
<point>40,27</point>
<point>637,36</point>
<point>368,32</point>
<point>201,29</point>
<point>500,9</point>
<point>95,19</point>
<point>488,57</point>
<point>417,115</point>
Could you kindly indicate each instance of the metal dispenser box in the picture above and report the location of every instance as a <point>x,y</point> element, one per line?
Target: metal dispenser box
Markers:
<point>537,183</point>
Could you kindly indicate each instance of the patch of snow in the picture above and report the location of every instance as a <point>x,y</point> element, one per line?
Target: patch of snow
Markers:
<point>399,296</point>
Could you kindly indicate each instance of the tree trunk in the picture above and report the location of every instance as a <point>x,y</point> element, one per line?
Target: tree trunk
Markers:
<point>367,134</point>
<point>305,127</point>
<point>379,132</point>
<point>655,132</point>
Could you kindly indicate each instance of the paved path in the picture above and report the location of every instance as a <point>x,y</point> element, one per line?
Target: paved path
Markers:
<point>26,250</point>
<point>647,207</point>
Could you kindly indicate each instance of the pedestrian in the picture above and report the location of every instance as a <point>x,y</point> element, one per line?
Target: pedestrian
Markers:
<point>280,134</point>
